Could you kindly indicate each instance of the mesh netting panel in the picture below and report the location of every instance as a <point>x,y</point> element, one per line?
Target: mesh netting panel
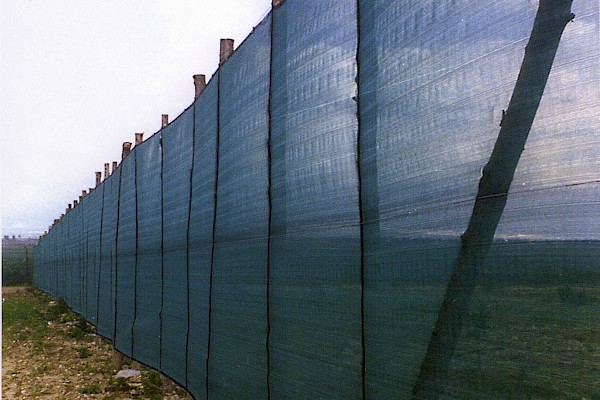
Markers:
<point>85,243</point>
<point>106,302</point>
<point>435,88</point>
<point>57,264</point>
<point>536,296</point>
<point>76,238</point>
<point>201,229</point>
<point>94,217</point>
<point>315,292</point>
<point>146,331</point>
<point>66,257</point>
<point>429,118</point>
<point>126,256</point>
<point>177,163</point>
<point>238,365</point>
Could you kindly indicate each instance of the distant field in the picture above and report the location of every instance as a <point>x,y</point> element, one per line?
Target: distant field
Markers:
<point>17,262</point>
<point>528,342</point>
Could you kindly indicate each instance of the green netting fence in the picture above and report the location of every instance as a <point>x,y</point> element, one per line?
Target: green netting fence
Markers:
<point>370,200</point>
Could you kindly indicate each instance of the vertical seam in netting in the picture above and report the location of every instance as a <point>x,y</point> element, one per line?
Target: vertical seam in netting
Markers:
<point>187,244</point>
<point>110,278</point>
<point>52,277</point>
<point>214,230</point>
<point>117,255</point>
<point>65,260</point>
<point>83,269</point>
<point>58,261</point>
<point>87,266</point>
<point>100,265</point>
<point>62,261</point>
<point>135,272</point>
<point>162,250</point>
<point>270,203</point>
<point>82,292</point>
<point>60,265</point>
<point>54,266</point>
<point>360,202</point>
<point>68,265</point>
<point>70,299</point>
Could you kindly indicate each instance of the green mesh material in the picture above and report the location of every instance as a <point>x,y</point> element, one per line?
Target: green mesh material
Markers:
<point>370,200</point>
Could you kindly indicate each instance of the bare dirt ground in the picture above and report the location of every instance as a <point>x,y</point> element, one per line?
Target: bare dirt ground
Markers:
<point>50,353</point>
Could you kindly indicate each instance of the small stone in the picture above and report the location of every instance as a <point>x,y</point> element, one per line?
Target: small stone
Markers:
<point>128,373</point>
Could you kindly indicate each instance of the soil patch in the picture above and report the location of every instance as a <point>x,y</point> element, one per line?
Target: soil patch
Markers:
<point>48,352</point>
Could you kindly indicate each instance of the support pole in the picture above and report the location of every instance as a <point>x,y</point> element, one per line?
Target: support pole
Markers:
<point>126,150</point>
<point>226,50</point>
<point>199,84</point>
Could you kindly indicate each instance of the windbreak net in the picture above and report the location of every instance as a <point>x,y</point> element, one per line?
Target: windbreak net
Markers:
<point>176,181</point>
<point>239,264</point>
<point>108,252</point>
<point>148,289</point>
<point>77,243</point>
<point>436,87</point>
<point>126,259</point>
<point>315,293</point>
<point>201,234</point>
<point>94,217</point>
<point>430,116</point>
<point>369,200</point>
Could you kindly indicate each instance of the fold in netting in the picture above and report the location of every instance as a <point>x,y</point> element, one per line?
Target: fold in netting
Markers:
<point>370,199</point>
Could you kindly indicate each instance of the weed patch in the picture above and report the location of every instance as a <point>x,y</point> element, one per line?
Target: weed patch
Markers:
<point>90,389</point>
<point>152,384</point>
<point>83,352</point>
<point>49,352</point>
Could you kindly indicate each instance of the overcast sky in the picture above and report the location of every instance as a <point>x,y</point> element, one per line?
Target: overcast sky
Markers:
<point>78,78</point>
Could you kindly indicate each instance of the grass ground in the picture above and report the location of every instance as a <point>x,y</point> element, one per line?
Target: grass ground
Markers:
<point>50,353</point>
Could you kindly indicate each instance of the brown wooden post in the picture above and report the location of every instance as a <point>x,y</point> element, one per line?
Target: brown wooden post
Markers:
<point>139,138</point>
<point>164,120</point>
<point>99,177</point>
<point>199,84</point>
<point>226,50</point>
<point>114,166</point>
<point>126,150</point>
